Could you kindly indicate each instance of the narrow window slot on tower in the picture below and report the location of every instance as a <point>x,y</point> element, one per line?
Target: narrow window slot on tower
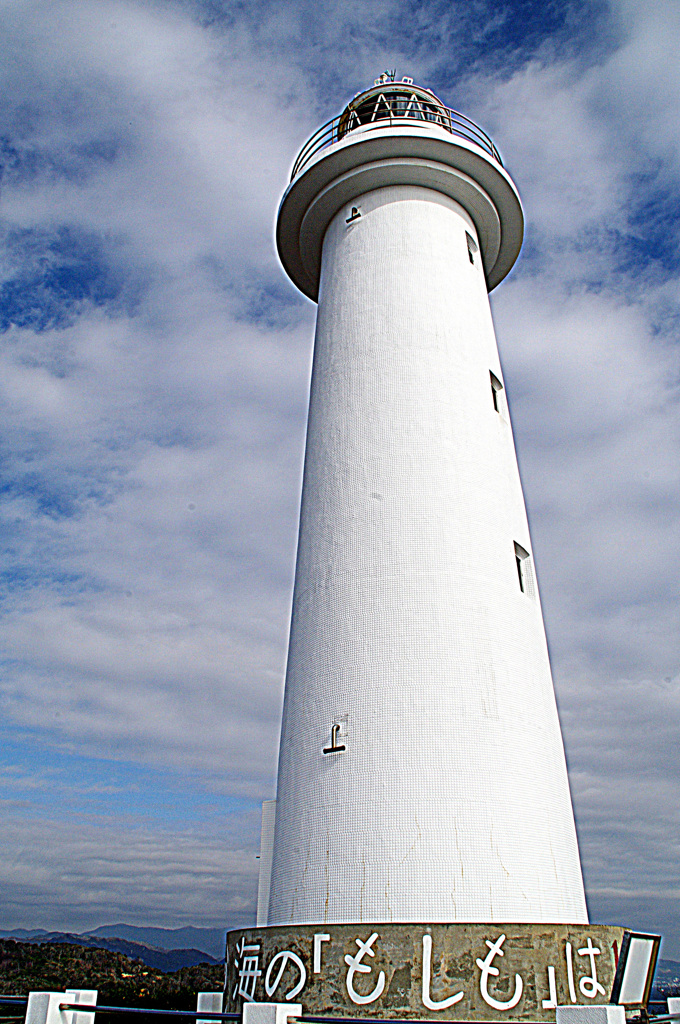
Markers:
<point>496,388</point>
<point>525,572</point>
<point>472,247</point>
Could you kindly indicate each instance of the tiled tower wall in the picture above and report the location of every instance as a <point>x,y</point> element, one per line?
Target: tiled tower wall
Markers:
<point>410,631</point>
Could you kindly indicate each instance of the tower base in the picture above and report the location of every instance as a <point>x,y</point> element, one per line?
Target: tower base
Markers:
<point>456,972</point>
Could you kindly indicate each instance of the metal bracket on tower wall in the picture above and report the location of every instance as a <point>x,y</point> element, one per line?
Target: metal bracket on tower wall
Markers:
<point>335,747</point>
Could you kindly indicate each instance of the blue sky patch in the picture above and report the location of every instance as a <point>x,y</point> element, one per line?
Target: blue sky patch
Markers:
<point>56,271</point>
<point>21,162</point>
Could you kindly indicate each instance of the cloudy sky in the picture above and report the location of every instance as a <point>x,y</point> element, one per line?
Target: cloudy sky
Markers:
<point>154,366</point>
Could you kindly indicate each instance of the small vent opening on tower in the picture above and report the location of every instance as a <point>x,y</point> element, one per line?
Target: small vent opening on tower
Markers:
<point>525,571</point>
<point>496,389</point>
<point>472,247</point>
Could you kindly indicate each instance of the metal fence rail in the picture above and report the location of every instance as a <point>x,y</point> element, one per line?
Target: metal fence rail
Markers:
<point>98,1008</point>
<point>21,1001</point>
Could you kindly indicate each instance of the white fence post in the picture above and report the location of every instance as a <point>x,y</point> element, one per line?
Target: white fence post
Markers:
<point>43,1007</point>
<point>607,1014</point>
<point>270,1013</point>
<point>86,996</point>
<point>209,1002</point>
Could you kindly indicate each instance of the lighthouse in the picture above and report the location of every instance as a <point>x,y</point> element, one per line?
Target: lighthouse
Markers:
<point>421,772</point>
<point>420,861</point>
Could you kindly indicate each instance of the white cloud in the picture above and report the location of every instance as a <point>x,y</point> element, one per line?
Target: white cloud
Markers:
<point>66,878</point>
<point>153,456</point>
<point>154,442</point>
<point>559,151</point>
<point>593,386</point>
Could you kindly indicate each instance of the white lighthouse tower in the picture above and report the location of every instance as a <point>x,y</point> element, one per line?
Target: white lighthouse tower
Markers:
<point>422,774</point>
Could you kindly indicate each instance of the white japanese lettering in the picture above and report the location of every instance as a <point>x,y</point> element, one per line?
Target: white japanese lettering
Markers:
<point>319,938</point>
<point>285,956</point>
<point>486,968</point>
<point>551,1002</point>
<point>428,1001</point>
<point>570,973</point>
<point>354,963</point>
<point>247,965</point>
<point>589,985</point>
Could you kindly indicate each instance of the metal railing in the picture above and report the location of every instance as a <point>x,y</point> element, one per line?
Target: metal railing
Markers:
<point>196,1014</point>
<point>431,117</point>
<point>20,1002</point>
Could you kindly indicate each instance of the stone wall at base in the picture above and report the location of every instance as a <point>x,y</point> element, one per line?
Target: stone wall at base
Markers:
<point>452,972</point>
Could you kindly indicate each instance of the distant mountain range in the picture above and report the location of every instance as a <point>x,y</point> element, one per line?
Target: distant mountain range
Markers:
<point>55,966</point>
<point>667,975</point>
<point>166,949</point>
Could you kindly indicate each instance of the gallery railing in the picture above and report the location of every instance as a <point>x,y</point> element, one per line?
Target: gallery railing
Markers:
<point>425,115</point>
